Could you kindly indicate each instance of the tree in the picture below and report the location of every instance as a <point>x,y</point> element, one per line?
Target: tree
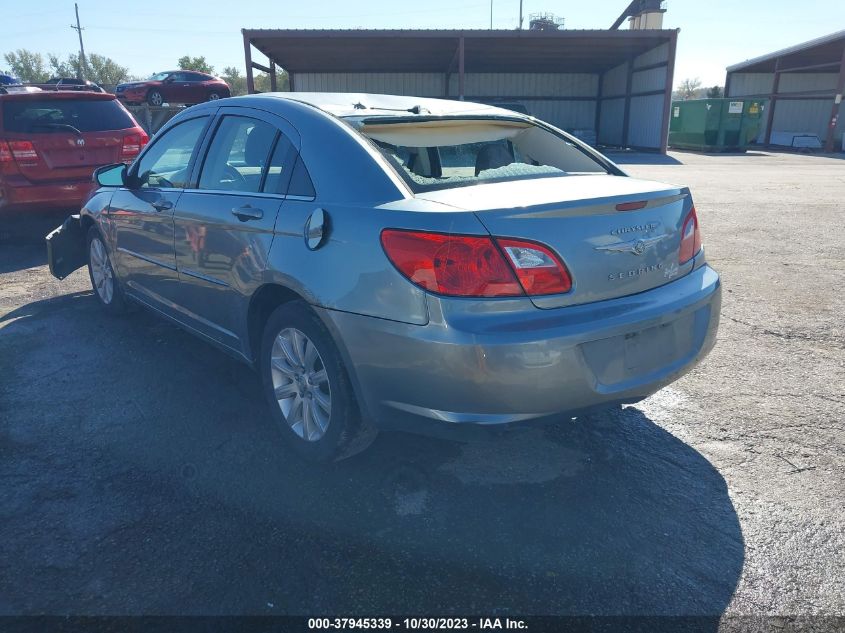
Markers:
<point>27,66</point>
<point>59,68</point>
<point>105,71</point>
<point>688,88</point>
<point>99,69</point>
<point>237,81</point>
<point>715,92</point>
<point>195,63</point>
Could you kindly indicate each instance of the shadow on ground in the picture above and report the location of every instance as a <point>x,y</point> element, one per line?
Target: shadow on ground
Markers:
<point>144,477</point>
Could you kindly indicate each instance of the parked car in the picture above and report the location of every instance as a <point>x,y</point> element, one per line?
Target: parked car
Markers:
<point>9,80</point>
<point>174,86</point>
<point>445,264</point>
<point>51,143</point>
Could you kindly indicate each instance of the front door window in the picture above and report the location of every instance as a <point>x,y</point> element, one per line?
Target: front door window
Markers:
<point>165,164</point>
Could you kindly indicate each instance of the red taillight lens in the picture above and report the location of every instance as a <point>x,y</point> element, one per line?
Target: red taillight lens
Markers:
<point>132,145</point>
<point>16,153</point>
<point>471,266</point>
<point>23,151</point>
<point>690,238</point>
<point>5,153</point>
<point>457,265</point>
<point>7,163</point>
<point>539,270</point>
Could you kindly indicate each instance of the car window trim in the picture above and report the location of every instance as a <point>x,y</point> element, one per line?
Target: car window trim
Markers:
<point>246,194</point>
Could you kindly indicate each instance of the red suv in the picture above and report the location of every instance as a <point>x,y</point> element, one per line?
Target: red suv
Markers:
<point>174,86</point>
<point>51,142</point>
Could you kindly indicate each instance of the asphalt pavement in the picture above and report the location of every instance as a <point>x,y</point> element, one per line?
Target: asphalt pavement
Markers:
<point>140,473</point>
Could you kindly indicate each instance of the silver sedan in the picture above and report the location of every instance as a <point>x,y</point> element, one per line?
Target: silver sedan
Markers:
<point>400,262</point>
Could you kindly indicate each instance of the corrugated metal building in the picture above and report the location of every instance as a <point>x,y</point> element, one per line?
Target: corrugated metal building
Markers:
<point>616,83</point>
<point>804,85</point>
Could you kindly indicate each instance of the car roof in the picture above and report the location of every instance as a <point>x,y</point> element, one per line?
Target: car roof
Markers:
<point>356,104</point>
<point>41,95</point>
<point>183,70</point>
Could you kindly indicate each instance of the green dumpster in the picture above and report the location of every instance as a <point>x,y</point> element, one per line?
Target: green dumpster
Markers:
<point>715,125</point>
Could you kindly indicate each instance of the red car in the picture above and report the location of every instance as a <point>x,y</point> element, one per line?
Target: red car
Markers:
<point>51,142</point>
<point>174,86</point>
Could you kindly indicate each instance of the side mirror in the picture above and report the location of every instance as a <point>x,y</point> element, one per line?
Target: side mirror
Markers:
<point>116,175</point>
<point>110,175</point>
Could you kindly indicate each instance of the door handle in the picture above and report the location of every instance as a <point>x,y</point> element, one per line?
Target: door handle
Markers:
<point>162,205</point>
<point>247,212</point>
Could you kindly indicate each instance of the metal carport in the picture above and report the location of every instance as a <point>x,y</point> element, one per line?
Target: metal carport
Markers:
<point>804,85</point>
<point>617,83</point>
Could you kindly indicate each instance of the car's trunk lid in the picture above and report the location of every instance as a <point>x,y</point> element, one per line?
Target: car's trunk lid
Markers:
<point>609,252</point>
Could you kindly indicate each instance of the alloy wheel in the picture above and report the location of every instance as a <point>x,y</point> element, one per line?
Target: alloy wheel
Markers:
<point>301,384</point>
<point>101,271</point>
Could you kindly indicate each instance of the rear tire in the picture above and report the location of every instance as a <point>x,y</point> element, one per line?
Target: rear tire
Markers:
<point>155,98</point>
<point>308,388</point>
<point>103,280</point>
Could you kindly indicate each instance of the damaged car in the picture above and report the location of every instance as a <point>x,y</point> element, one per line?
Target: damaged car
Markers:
<point>402,263</point>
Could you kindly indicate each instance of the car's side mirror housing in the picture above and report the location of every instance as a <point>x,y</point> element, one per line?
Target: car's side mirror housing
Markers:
<point>115,175</point>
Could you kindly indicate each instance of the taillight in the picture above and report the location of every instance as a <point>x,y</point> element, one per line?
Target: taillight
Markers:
<point>474,266</point>
<point>539,270</point>
<point>13,153</point>
<point>132,145</point>
<point>23,151</point>
<point>7,164</point>
<point>690,238</point>
<point>457,265</point>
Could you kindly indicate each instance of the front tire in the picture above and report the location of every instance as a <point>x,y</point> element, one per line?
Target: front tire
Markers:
<point>103,280</point>
<point>155,98</point>
<point>307,387</point>
<point>213,96</point>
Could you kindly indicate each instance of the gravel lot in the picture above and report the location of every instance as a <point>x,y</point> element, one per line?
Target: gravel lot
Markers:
<point>140,475</point>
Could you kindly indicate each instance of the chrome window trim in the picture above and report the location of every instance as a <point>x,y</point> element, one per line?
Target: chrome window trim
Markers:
<point>242,194</point>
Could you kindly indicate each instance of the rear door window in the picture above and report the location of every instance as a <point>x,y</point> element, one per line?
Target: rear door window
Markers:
<point>238,155</point>
<point>46,115</point>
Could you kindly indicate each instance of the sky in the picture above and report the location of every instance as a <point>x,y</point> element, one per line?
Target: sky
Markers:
<point>150,35</point>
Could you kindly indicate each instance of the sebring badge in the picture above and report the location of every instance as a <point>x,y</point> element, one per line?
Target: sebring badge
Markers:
<point>637,246</point>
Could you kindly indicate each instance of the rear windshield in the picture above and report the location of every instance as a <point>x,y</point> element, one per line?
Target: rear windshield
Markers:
<point>55,115</point>
<point>440,153</point>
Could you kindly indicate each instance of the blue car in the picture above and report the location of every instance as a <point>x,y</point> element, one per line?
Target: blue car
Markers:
<point>401,262</point>
<point>9,80</point>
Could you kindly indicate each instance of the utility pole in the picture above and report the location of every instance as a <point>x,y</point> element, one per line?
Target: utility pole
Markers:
<point>79,29</point>
<point>491,15</point>
<point>520,15</point>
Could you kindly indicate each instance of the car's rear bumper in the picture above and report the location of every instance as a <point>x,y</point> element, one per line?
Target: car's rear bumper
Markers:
<point>506,367</point>
<point>66,193</point>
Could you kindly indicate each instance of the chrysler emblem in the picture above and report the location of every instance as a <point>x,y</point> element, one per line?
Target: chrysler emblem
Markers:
<point>637,246</point>
<point>80,142</point>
